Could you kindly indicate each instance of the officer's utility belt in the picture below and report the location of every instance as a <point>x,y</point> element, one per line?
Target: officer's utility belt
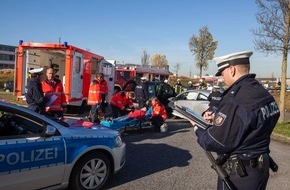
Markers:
<point>252,163</point>
<point>263,162</point>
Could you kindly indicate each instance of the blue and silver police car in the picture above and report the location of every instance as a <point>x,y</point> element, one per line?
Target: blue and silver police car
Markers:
<point>37,152</point>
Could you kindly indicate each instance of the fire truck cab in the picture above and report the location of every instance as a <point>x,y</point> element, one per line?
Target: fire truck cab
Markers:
<point>75,67</point>
<point>122,76</point>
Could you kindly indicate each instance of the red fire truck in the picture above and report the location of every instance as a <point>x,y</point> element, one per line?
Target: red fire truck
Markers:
<point>124,73</point>
<point>76,68</point>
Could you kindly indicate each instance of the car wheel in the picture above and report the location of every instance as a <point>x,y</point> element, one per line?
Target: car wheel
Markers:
<point>91,172</point>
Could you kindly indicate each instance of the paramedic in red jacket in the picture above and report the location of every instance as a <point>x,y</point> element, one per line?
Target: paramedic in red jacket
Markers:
<point>157,113</point>
<point>120,102</point>
<point>53,87</point>
<point>97,94</point>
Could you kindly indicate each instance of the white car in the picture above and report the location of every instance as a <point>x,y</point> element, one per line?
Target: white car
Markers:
<point>195,100</point>
<point>37,152</point>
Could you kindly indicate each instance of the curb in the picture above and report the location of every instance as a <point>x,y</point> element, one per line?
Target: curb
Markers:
<point>280,138</point>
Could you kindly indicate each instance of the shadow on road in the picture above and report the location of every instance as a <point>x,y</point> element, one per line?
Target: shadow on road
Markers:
<point>145,158</point>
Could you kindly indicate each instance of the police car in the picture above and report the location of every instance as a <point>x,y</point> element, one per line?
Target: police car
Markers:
<point>37,152</point>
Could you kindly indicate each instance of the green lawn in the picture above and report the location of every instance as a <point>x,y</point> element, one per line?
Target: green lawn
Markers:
<point>283,129</point>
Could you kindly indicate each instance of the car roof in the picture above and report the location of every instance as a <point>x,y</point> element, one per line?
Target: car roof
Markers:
<point>206,92</point>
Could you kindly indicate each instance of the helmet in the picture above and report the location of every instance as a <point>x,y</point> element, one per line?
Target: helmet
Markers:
<point>166,81</point>
<point>178,80</point>
<point>189,82</point>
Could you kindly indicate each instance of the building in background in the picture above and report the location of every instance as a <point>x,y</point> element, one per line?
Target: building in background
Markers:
<point>7,56</point>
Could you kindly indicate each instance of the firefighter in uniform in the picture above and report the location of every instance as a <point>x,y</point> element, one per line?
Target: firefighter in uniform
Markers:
<point>141,93</point>
<point>97,95</point>
<point>54,88</point>
<point>122,103</point>
<point>242,125</point>
<point>178,87</point>
<point>33,92</point>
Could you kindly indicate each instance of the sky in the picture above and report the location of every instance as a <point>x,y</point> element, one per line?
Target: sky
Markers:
<point>123,29</point>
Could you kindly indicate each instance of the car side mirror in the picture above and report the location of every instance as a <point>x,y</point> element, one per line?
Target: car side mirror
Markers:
<point>49,131</point>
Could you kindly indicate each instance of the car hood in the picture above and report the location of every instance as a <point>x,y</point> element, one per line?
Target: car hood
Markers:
<point>82,127</point>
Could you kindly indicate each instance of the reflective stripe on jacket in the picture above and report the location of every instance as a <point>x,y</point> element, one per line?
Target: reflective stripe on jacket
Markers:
<point>96,91</point>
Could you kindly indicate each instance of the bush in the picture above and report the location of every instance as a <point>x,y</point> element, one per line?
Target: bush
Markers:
<point>6,75</point>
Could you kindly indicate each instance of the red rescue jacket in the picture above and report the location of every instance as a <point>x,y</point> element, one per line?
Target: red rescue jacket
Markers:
<point>96,91</point>
<point>55,87</point>
<point>120,100</point>
<point>159,109</point>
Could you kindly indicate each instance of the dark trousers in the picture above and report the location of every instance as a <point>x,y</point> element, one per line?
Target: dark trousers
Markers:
<point>256,180</point>
<point>55,114</point>
<point>117,112</point>
<point>157,121</point>
<point>37,108</point>
<point>94,114</point>
<point>141,103</point>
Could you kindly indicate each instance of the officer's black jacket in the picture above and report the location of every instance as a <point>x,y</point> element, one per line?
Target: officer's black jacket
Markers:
<point>244,121</point>
<point>34,93</point>
<point>141,91</point>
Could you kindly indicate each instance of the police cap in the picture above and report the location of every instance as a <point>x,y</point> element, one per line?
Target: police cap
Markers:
<point>238,58</point>
<point>37,71</point>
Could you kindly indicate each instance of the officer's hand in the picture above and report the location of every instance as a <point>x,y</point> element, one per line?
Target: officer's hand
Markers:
<point>208,116</point>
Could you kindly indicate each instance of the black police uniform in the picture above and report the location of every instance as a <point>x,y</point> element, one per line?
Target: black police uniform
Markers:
<point>141,93</point>
<point>34,96</point>
<point>214,98</point>
<point>242,127</point>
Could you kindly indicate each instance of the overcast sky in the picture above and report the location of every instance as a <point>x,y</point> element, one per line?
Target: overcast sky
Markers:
<point>123,29</point>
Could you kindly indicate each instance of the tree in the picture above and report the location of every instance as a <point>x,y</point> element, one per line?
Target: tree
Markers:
<point>145,58</point>
<point>203,47</point>
<point>273,36</point>
<point>158,60</point>
<point>176,68</point>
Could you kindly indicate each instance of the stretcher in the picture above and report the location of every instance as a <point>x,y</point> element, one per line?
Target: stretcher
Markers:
<point>132,120</point>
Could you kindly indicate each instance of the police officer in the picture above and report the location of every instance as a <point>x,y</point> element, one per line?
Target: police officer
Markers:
<point>141,93</point>
<point>214,98</point>
<point>33,92</point>
<point>242,125</point>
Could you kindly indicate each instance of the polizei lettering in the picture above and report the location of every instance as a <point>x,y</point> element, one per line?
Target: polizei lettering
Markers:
<point>22,157</point>
<point>269,110</point>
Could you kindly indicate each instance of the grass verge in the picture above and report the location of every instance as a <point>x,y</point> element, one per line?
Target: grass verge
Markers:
<point>283,129</point>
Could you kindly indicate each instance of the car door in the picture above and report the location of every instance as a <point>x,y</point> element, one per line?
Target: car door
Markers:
<point>77,75</point>
<point>28,160</point>
<point>193,100</point>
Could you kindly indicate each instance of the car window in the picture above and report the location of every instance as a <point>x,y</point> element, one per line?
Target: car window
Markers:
<point>191,96</point>
<point>201,97</point>
<point>182,96</point>
<point>14,125</point>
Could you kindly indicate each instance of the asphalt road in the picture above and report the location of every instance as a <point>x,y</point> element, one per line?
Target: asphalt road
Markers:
<point>174,160</point>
